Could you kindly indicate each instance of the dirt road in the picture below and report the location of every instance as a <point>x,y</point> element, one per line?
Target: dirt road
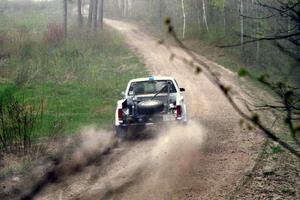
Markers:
<point>204,160</point>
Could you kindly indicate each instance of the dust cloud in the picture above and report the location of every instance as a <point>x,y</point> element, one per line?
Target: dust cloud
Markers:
<point>77,154</point>
<point>129,169</point>
<point>172,158</point>
<point>153,165</point>
<point>92,142</point>
<point>176,146</point>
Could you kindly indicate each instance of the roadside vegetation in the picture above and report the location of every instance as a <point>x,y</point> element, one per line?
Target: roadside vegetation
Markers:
<point>51,86</point>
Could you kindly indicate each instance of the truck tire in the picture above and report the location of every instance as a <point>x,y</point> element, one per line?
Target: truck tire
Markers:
<point>121,131</point>
<point>150,107</point>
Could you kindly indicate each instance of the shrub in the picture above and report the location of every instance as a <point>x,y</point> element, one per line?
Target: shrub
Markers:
<point>54,34</point>
<point>18,123</point>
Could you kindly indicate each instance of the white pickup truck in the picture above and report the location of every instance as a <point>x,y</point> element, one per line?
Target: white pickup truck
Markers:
<point>150,101</point>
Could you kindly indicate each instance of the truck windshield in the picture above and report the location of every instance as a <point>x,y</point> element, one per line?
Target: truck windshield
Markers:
<point>151,87</point>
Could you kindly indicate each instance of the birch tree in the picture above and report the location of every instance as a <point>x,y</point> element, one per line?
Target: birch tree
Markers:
<point>257,33</point>
<point>184,18</point>
<point>204,14</point>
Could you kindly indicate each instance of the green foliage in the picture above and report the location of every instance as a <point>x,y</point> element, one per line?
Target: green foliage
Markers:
<point>218,4</point>
<point>168,21</point>
<point>276,149</point>
<point>77,81</point>
<point>263,78</point>
<point>18,123</point>
<point>242,72</point>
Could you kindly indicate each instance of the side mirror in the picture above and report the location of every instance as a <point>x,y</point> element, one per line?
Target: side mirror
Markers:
<point>123,94</point>
<point>182,90</point>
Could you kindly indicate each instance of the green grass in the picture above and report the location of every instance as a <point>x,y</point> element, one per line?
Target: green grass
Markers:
<point>78,89</point>
<point>77,81</point>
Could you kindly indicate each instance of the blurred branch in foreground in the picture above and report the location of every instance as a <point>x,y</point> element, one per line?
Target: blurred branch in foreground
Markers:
<point>288,97</point>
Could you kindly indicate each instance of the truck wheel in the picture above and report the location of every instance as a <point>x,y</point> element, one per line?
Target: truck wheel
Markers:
<point>121,131</point>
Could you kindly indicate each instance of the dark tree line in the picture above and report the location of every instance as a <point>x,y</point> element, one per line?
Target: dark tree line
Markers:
<point>95,13</point>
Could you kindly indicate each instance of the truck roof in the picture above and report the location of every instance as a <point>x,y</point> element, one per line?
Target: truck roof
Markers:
<point>152,78</point>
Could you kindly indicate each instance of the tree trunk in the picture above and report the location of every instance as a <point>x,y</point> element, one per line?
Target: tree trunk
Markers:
<point>125,8</point>
<point>120,6</point>
<point>95,14</point>
<point>199,19</point>
<point>101,10</point>
<point>242,24</point>
<point>66,18</point>
<point>198,10</point>
<point>129,7</point>
<point>184,18</point>
<point>79,13</point>
<point>204,14</point>
<point>160,16</point>
<point>91,9</point>
<point>257,32</point>
<point>224,17</point>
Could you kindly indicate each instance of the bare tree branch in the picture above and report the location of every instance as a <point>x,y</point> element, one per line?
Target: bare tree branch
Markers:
<point>267,38</point>
<point>252,117</point>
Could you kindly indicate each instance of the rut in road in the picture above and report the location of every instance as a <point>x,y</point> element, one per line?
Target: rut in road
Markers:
<point>205,160</point>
